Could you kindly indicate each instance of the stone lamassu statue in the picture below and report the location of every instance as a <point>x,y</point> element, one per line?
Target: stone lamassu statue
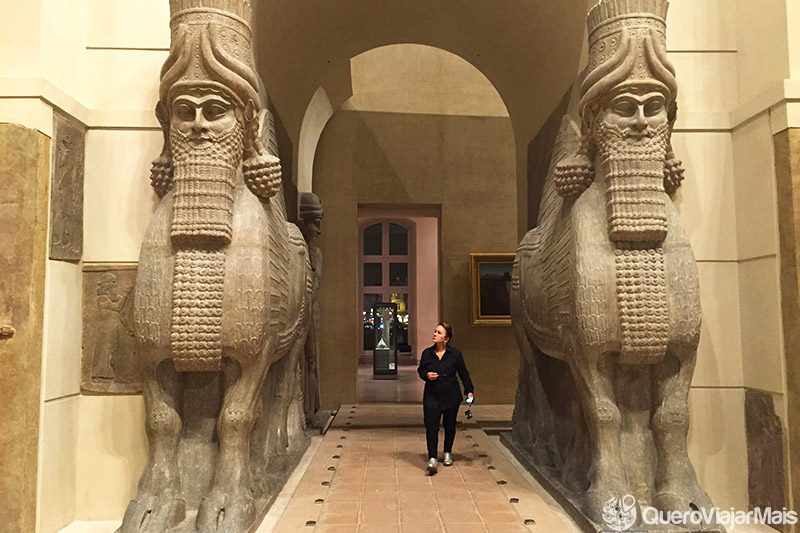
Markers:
<point>310,225</point>
<point>605,297</point>
<point>222,289</point>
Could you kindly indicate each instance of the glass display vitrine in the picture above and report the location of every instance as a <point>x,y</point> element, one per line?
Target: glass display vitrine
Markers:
<point>384,355</point>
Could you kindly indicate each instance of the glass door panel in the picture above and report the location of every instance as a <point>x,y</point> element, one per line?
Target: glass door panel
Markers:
<point>373,240</point>
<point>403,340</point>
<point>373,274</point>
<point>398,274</point>
<point>398,240</point>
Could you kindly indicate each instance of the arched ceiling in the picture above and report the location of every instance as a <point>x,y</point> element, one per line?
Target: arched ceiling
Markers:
<point>528,49</point>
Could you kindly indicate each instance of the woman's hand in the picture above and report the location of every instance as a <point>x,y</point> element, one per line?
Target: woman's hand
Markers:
<point>470,396</point>
<point>433,376</point>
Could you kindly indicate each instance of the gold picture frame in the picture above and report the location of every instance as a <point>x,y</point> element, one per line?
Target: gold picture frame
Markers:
<point>490,276</point>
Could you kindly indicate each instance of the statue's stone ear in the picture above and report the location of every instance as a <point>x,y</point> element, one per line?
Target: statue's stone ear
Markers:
<point>250,112</point>
<point>161,114</point>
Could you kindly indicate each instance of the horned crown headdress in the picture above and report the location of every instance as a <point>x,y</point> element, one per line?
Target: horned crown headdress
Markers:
<point>211,42</point>
<point>211,48</point>
<point>627,47</point>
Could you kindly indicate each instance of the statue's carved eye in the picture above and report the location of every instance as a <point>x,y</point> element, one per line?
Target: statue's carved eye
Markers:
<point>653,107</point>
<point>624,108</point>
<point>214,111</point>
<point>184,112</point>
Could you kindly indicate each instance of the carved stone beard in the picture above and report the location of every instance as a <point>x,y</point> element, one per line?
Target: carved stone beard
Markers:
<point>634,174</point>
<point>202,226</point>
<point>205,177</point>
<point>637,224</point>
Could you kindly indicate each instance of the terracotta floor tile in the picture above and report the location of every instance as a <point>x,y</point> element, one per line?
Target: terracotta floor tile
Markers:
<point>419,527</point>
<point>501,517</point>
<point>444,497</point>
<point>489,496</point>
<point>379,484</point>
<point>464,527</point>
<point>459,506</point>
<point>379,506</point>
<point>425,505</point>
<point>456,516</point>
<point>342,488</point>
<point>338,518</point>
<point>376,516</point>
<point>512,528</point>
<point>420,517</point>
<point>493,507</point>
<point>336,528</point>
<point>344,497</point>
<point>341,507</point>
<point>379,528</point>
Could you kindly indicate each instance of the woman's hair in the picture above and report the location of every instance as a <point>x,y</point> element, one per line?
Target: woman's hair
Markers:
<point>448,330</point>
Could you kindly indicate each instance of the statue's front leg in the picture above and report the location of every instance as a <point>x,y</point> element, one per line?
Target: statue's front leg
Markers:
<point>159,503</point>
<point>229,506</point>
<point>594,377</point>
<point>676,486</point>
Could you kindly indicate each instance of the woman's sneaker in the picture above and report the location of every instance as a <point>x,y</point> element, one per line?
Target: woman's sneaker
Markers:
<point>448,459</point>
<point>433,466</point>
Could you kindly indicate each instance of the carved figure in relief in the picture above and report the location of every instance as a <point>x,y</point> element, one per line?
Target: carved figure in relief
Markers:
<point>223,282</point>
<point>311,213</point>
<point>115,325</point>
<point>66,233</point>
<point>607,283</point>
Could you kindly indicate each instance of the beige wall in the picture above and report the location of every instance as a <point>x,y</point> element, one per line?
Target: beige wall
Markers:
<point>427,281</point>
<point>732,61</point>
<point>98,61</point>
<point>465,165</point>
<point>412,78</point>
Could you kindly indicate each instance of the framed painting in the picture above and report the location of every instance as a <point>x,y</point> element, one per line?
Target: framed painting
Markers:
<point>490,275</point>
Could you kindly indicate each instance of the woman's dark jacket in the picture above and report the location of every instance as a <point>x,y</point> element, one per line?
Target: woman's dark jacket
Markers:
<point>444,392</point>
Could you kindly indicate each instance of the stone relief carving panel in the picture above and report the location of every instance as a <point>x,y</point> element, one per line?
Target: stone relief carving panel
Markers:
<point>66,209</point>
<point>109,363</point>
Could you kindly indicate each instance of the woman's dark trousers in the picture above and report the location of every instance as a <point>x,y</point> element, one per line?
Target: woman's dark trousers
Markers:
<point>432,415</point>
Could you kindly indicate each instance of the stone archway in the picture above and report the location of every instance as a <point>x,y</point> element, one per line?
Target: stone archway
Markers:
<point>529,51</point>
<point>415,140</point>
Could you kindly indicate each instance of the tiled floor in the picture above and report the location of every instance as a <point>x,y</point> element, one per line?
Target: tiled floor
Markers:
<point>407,388</point>
<point>368,475</point>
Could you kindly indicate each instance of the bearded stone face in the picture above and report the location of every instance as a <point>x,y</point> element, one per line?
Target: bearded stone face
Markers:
<point>638,114</point>
<point>202,117</point>
<point>206,141</point>
<point>631,131</point>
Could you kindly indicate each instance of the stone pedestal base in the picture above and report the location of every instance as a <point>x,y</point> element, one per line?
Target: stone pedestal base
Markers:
<point>573,502</point>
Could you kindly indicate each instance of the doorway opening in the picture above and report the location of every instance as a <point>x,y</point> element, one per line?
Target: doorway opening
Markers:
<point>398,264</point>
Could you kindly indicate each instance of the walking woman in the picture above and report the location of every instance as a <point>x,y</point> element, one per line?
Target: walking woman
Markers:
<point>438,367</point>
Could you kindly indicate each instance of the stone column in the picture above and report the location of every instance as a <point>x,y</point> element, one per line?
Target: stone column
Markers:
<point>25,175</point>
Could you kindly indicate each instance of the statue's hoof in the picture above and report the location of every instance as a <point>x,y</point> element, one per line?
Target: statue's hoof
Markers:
<point>152,514</point>
<point>615,507</point>
<point>671,501</point>
<point>221,514</point>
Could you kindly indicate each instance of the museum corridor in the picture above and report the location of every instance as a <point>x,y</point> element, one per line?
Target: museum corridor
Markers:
<point>368,475</point>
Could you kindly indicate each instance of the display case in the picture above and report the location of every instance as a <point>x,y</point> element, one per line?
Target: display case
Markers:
<point>384,358</point>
